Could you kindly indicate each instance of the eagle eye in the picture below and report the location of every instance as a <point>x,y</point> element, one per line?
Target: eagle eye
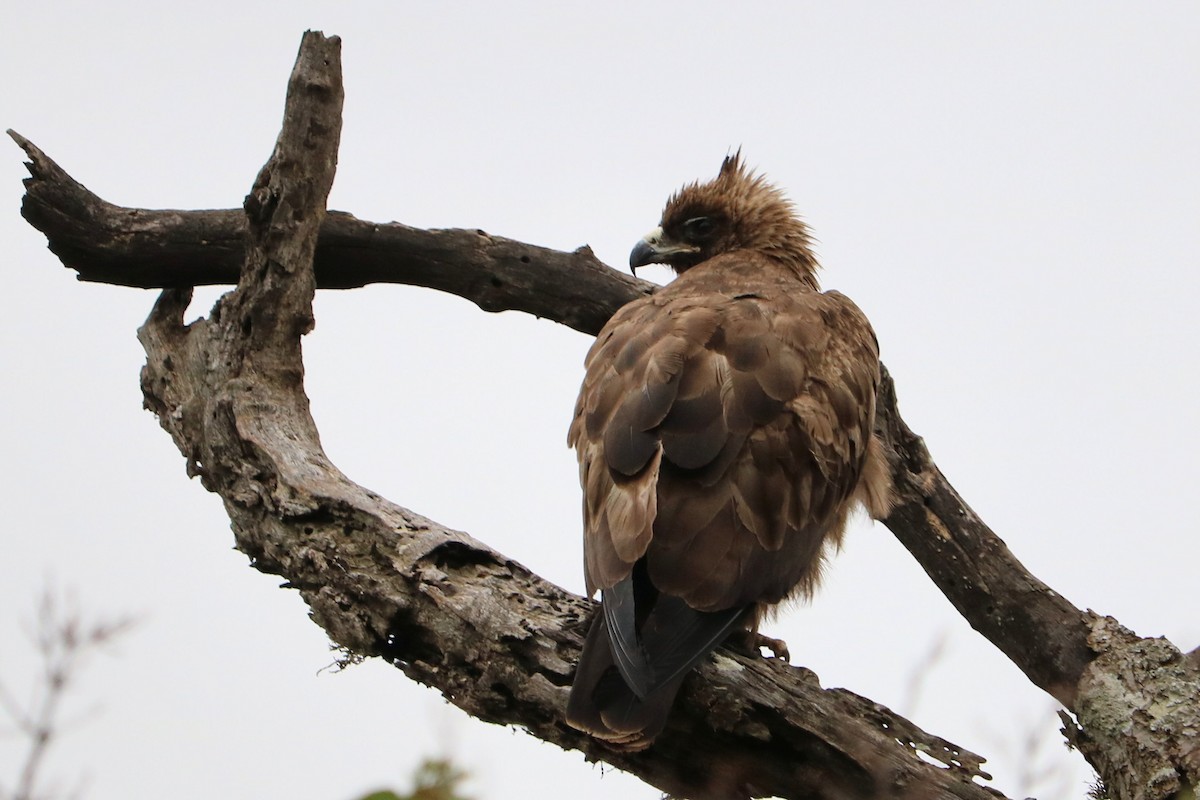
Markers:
<point>699,229</point>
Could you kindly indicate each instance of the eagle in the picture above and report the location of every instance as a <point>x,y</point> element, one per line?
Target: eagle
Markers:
<point>724,432</point>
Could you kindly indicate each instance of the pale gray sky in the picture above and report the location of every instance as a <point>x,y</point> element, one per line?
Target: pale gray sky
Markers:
<point>1009,191</point>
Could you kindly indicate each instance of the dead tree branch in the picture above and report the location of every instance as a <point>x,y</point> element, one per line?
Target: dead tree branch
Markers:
<point>161,249</point>
<point>497,640</point>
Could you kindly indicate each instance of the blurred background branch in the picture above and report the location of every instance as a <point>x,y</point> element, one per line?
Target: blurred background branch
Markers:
<point>64,639</point>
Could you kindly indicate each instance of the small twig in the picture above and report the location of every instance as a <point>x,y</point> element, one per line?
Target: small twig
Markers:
<point>918,677</point>
<point>63,641</point>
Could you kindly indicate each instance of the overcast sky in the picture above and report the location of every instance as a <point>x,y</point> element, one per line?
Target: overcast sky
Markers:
<point>1010,191</point>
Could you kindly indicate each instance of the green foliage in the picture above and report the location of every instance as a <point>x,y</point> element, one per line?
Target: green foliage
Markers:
<point>435,779</point>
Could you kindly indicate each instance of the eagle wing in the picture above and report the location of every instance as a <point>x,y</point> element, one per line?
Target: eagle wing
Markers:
<point>721,431</point>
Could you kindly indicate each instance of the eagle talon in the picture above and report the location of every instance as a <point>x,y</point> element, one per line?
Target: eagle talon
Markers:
<point>778,647</point>
<point>751,643</point>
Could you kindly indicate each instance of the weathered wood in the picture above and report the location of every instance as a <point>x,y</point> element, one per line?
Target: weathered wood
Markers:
<point>1138,716</point>
<point>497,640</point>
<point>156,249</point>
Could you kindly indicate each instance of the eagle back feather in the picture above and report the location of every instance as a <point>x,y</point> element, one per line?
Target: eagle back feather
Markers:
<point>722,428</point>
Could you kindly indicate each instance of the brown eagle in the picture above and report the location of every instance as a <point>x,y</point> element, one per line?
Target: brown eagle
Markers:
<point>724,434</point>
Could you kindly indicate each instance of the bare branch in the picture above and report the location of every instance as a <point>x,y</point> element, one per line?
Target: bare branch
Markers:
<point>152,249</point>
<point>1032,624</point>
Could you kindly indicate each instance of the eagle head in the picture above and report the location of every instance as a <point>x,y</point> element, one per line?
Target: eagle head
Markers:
<point>737,210</point>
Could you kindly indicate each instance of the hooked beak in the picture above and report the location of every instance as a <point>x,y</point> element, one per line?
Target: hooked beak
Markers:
<point>656,248</point>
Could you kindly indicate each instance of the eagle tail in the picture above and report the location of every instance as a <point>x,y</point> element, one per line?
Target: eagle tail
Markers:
<point>603,705</point>
<point>638,651</point>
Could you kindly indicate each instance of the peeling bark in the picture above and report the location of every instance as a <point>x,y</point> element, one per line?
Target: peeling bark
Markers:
<point>497,640</point>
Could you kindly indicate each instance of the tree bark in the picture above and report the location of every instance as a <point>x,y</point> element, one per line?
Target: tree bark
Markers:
<point>497,640</point>
<point>157,249</point>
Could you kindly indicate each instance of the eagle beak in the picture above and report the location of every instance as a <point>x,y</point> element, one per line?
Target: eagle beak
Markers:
<point>656,248</point>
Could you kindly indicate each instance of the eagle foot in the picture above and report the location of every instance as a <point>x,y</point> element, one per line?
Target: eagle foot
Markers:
<point>752,642</point>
